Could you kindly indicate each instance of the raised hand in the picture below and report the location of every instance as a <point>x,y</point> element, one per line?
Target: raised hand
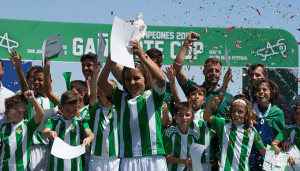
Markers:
<point>170,73</point>
<point>29,95</point>
<point>15,58</point>
<point>192,37</point>
<point>136,47</point>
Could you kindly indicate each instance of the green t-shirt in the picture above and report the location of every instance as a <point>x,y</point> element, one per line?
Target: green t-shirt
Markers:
<point>223,107</point>
<point>292,134</point>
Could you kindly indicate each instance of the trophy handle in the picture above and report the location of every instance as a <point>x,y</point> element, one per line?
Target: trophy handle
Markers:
<point>67,76</point>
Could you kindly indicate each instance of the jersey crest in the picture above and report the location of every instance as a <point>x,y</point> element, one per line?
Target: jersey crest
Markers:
<point>19,130</point>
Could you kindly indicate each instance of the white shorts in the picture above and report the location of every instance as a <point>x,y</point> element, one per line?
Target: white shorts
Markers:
<point>144,163</point>
<point>104,163</point>
<point>39,157</point>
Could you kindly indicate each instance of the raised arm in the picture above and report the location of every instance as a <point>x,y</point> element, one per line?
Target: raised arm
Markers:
<point>116,71</point>
<point>103,83</point>
<point>38,108</point>
<point>226,80</point>
<point>207,115</point>
<point>93,95</point>
<point>155,71</point>
<point>47,83</point>
<point>179,61</point>
<point>170,73</point>
<point>16,61</point>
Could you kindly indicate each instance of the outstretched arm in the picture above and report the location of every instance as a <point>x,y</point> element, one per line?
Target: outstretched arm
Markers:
<point>87,141</point>
<point>179,61</point>
<point>116,71</point>
<point>103,83</point>
<point>38,108</point>
<point>170,73</point>
<point>93,95</point>
<point>155,71</point>
<point>47,83</point>
<point>16,61</point>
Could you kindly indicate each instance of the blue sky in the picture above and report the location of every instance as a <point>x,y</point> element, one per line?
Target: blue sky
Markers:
<point>195,13</point>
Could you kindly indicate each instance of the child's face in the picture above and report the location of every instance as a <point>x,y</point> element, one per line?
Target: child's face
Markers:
<point>184,117</point>
<point>38,82</point>
<point>263,94</point>
<point>297,116</point>
<point>69,111</point>
<point>238,113</point>
<point>103,100</point>
<point>197,98</point>
<point>87,68</point>
<point>134,81</point>
<point>13,115</point>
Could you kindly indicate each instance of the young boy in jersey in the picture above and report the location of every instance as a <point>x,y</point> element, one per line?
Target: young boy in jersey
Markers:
<point>69,128</point>
<point>196,95</point>
<point>177,139</point>
<point>81,89</point>
<point>18,133</point>
<point>103,121</point>
<point>289,136</point>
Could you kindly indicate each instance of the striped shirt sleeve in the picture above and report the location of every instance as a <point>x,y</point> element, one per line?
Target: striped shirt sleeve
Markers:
<point>32,126</point>
<point>84,124</point>
<point>258,141</point>
<point>116,98</point>
<point>218,124</point>
<point>49,124</point>
<point>285,133</point>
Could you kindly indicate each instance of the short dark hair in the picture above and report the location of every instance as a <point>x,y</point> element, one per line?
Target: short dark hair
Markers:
<point>90,56</point>
<point>140,66</point>
<point>212,60</point>
<point>69,97</point>
<point>274,89</point>
<point>16,102</point>
<point>1,63</point>
<point>29,71</point>
<point>81,87</point>
<point>252,67</point>
<point>182,105</point>
<point>196,88</point>
<point>155,54</point>
<point>39,70</point>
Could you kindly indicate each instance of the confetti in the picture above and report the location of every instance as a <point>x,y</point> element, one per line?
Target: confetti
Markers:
<point>191,61</point>
<point>228,29</point>
<point>205,30</point>
<point>258,12</point>
<point>294,15</point>
<point>178,63</point>
<point>159,22</point>
<point>258,138</point>
<point>189,68</point>
<point>200,67</point>
<point>214,48</point>
<point>298,79</point>
<point>111,13</point>
<point>285,56</point>
<point>246,64</point>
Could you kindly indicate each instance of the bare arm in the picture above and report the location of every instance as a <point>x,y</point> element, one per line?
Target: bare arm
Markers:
<point>103,83</point>
<point>47,83</point>
<point>16,61</point>
<point>48,133</point>
<point>38,108</point>
<point>207,112</point>
<point>263,150</point>
<point>155,71</point>
<point>93,95</point>
<point>179,61</point>
<point>275,144</point>
<point>116,71</point>
<point>170,73</point>
<point>90,136</point>
<point>165,117</point>
<point>226,80</point>
<point>172,159</point>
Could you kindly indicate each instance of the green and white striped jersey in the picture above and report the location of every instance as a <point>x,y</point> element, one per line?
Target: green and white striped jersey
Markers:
<point>236,142</point>
<point>84,111</point>
<point>104,124</point>
<point>70,131</point>
<point>49,109</point>
<point>140,122</point>
<point>292,134</point>
<point>202,128</point>
<point>178,145</point>
<point>15,145</point>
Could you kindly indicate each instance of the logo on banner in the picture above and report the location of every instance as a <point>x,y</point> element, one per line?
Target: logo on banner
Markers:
<point>265,51</point>
<point>9,43</point>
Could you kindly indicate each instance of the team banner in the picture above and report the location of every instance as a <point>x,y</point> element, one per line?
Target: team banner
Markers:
<point>272,47</point>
